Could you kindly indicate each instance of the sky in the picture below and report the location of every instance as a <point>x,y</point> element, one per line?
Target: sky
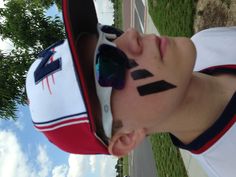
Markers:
<point>25,152</point>
<point>104,11</point>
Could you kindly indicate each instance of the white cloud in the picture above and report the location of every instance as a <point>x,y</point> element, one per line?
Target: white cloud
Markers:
<point>12,160</point>
<point>60,171</point>
<point>44,162</point>
<point>92,163</point>
<point>106,163</point>
<point>98,164</point>
<point>78,165</point>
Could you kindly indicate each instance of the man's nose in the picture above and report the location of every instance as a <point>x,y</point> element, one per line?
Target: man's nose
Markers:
<point>133,33</point>
<point>130,42</point>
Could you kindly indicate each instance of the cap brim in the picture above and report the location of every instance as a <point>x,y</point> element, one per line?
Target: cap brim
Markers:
<point>80,18</point>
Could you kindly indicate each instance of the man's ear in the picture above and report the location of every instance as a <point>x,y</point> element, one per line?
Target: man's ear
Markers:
<point>123,143</point>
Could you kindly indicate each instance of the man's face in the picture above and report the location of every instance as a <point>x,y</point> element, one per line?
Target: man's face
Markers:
<point>156,82</point>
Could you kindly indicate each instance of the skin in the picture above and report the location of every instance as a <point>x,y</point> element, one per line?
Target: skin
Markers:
<point>201,96</point>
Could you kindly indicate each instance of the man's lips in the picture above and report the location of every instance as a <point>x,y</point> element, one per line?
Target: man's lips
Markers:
<point>162,43</point>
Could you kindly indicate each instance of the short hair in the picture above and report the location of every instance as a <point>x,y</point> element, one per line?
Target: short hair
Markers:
<point>116,125</point>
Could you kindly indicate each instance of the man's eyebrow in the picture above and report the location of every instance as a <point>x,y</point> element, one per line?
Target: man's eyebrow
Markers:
<point>131,64</point>
<point>141,74</point>
<point>154,87</point>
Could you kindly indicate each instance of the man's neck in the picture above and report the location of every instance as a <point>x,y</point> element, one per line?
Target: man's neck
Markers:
<point>205,101</point>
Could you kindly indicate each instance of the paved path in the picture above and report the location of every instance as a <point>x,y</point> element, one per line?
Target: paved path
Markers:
<point>141,161</point>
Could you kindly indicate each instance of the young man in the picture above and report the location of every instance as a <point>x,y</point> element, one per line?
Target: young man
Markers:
<point>103,91</point>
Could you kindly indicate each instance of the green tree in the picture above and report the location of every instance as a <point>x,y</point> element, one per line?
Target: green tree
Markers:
<point>30,31</point>
<point>27,27</point>
<point>48,3</point>
<point>12,79</point>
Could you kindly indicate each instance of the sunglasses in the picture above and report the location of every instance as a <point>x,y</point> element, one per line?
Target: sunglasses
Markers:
<point>110,64</point>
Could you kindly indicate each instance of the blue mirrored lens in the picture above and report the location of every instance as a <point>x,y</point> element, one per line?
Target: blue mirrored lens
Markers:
<point>111,67</point>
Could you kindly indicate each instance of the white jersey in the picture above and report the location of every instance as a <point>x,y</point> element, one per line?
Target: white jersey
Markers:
<point>215,149</point>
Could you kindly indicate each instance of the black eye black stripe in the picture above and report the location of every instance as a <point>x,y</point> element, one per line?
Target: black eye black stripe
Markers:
<point>154,87</point>
<point>141,74</point>
<point>131,64</point>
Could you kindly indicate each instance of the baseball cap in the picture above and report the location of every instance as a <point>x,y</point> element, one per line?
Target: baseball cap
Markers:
<point>57,88</point>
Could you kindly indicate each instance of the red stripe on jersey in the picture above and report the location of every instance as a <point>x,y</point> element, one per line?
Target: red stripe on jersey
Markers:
<point>221,66</point>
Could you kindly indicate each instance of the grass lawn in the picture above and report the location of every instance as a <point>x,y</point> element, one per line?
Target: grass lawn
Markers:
<point>118,17</point>
<point>168,159</point>
<point>172,18</point>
